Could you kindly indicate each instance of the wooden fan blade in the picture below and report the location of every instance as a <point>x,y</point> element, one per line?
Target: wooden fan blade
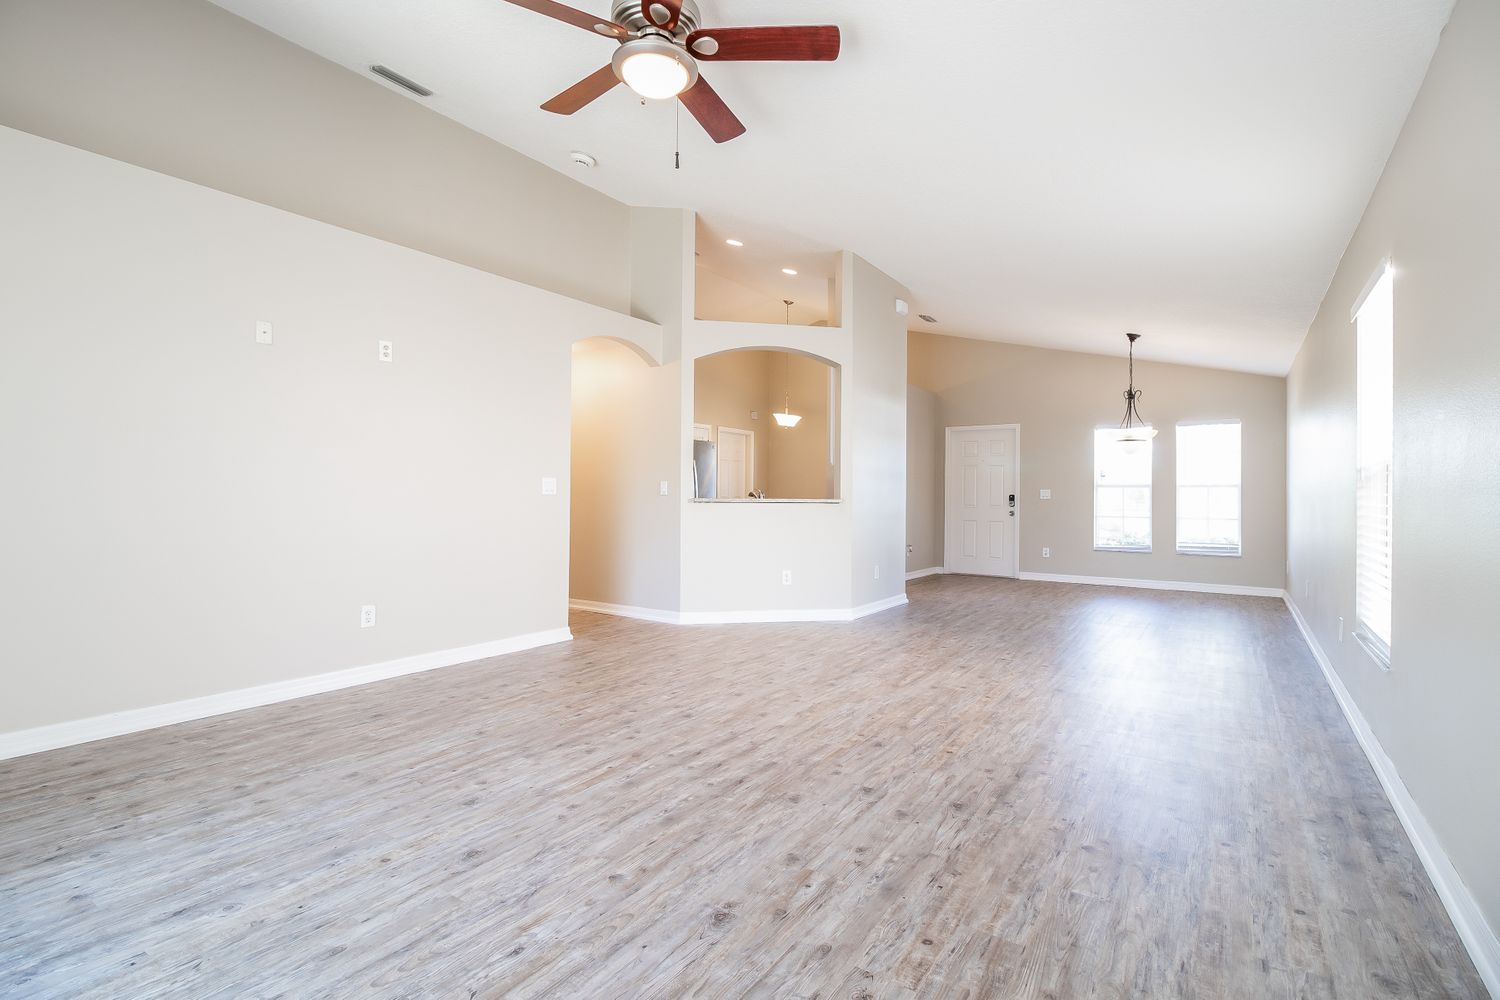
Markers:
<point>793,43</point>
<point>662,13</point>
<point>562,12</point>
<point>590,88</point>
<point>704,103</point>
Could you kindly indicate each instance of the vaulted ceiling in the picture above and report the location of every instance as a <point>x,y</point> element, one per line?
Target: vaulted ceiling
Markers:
<point>1049,172</point>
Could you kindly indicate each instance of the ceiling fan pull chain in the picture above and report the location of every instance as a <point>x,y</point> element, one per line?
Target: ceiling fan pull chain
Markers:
<point>677,135</point>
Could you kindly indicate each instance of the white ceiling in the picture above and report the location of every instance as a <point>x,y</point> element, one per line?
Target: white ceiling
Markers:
<point>1050,172</point>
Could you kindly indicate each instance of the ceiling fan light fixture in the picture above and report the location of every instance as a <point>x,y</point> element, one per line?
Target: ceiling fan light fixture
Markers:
<point>654,68</point>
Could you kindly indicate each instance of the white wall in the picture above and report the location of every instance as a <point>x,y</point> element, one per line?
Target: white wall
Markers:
<point>190,512</point>
<point>188,89</point>
<point>1436,213</point>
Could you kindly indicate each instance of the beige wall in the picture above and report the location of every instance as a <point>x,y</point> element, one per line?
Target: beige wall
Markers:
<point>727,389</point>
<point>188,89</point>
<point>1436,213</point>
<point>623,544</point>
<point>193,512</point>
<point>924,498</point>
<point>1060,397</point>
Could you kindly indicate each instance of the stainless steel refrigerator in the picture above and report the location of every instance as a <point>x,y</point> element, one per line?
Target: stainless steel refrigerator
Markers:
<point>705,470</point>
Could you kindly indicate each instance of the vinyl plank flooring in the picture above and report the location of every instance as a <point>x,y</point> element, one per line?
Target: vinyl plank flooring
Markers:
<point>1004,789</point>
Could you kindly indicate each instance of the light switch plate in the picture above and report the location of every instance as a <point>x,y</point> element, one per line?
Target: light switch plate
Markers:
<point>549,486</point>
<point>262,332</point>
<point>666,488</point>
<point>1046,494</point>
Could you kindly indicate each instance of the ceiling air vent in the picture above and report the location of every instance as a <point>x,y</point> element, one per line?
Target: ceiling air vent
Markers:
<point>401,81</point>
<point>926,318</point>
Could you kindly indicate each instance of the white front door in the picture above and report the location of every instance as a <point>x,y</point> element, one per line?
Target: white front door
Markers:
<point>980,520</point>
<point>736,462</point>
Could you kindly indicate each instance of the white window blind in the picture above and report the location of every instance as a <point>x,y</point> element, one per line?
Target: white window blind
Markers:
<point>1374,402</point>
<point>1122,493</point>
<point>1208,489</point>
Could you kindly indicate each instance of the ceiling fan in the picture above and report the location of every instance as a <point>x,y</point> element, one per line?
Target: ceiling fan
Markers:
<point>661,45</point>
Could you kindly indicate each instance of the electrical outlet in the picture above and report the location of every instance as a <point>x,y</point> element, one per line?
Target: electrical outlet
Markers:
<point>367,616</point>
<point>385,350</point>
<point>262,332</point>
<point>666,488</point>
<point>911,549</point>
<point>1046,553</point>
<point>786,578</point>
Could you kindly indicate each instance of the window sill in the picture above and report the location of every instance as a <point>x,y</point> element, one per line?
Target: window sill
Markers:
<point>1374,648</point>
<point>1121,548</point>
<point>1221,553</point>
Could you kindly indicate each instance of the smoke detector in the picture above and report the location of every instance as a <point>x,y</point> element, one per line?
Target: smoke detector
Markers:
<point>582,159</point>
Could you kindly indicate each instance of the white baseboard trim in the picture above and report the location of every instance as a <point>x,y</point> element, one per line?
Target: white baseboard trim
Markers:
<point>1192,588</point>
<point>741,617</point>
<point>100,727</point>
<point>626,611</point>
<point>1477,935</point>
<point>917,574</point>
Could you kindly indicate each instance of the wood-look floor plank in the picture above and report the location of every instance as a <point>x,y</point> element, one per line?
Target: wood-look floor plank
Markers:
<point>1003,789</point>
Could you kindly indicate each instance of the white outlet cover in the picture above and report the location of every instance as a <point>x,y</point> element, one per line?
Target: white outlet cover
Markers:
<point>786,578</point>
<point>367,616</point>
<point>549,486</point>
<point>1046,553</point>
<point>262,332</point>
<point>385,350</point>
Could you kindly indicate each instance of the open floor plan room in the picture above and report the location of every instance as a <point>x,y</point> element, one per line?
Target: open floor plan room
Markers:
<point>707,499</point>
<point>1134,794</point>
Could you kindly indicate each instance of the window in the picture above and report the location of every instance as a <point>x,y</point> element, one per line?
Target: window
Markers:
<point>1374,317</point>
<point>1208,489</point>
<point>1122,493</point>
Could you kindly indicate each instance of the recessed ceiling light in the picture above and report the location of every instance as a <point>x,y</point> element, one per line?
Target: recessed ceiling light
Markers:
<point>788,270</point>
<point>734,243</point>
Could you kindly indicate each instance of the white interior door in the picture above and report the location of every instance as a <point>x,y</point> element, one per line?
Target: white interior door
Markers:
<point>980,532</point>
<point>736,458</point>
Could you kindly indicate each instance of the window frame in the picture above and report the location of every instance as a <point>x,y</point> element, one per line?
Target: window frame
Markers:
<point>1221,552</point>
<point>1147,486</point>
<point>1378,647</point>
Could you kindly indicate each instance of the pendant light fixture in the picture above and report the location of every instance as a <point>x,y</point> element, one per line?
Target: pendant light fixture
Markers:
<point>787,418</point>
<point>1134,431</point>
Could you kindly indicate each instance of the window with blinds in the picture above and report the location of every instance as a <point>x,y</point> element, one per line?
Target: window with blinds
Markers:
<point>1374,318</point>
<point>1208,489</point>
<point>1122,493</point>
